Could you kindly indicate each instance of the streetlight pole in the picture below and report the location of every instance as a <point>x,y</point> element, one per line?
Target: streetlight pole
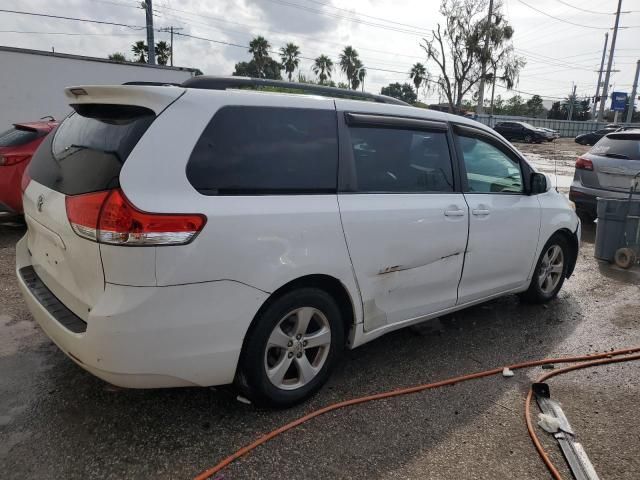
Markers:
<point>605,88</point>
<point>634,92</point>
<point>604,55</point>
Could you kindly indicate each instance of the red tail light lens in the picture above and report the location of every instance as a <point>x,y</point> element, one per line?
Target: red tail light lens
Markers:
<point>584,164</point>
<point>8,160</point>
<point>26,179</point>
<point>109,217</point>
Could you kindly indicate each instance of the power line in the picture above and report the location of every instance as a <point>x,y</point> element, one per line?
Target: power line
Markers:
<point>561,19</point>
<point>134,27</point>
<point>585,10</point>
<point>351,19</point>
<point>72,34</point>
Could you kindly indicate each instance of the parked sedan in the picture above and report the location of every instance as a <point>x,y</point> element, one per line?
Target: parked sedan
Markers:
<point>553,134</point>
<point>605,171</point>
<point>17,145</point>
<point>521,131</point>
<point>592,138</point>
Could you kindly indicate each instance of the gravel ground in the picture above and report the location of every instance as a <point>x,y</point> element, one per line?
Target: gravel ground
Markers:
<point>57,421</point>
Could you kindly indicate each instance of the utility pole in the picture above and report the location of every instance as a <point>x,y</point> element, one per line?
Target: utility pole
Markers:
<point>604,55</point>
<point>572,101</point>
<point>605,88</point>
<point>170,30</point>
<point>485,50</point>
<point>634,92</point>
<point>151,56</point>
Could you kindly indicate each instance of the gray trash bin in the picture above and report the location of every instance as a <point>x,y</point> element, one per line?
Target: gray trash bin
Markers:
<point>615,217</point>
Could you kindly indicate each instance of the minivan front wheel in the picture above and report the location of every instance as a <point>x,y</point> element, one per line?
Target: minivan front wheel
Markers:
<point>550,272</point>
<point>290,351</point>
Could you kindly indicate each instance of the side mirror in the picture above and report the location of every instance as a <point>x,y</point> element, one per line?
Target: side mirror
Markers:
<point>539,183</point>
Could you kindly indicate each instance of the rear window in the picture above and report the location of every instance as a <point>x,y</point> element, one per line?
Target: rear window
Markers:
<point>266,150</point>
<point>16,136</point>
<point>87,151</point>
<point>623,146</point>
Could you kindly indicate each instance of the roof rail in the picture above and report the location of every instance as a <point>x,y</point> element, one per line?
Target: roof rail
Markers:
<point>152,84</point>
<point>224,83</point>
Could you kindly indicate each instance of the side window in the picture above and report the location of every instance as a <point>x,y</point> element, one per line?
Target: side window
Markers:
<point>398,161</point>
<point>489,169</point>
<point>266,150</point>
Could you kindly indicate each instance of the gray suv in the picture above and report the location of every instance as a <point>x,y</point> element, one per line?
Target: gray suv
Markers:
<point>606,170</point>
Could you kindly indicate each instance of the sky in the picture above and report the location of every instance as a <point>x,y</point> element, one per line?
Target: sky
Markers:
<point>559,52</point>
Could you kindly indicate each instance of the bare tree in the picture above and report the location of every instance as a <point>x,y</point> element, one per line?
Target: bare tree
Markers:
<point>457,48</point>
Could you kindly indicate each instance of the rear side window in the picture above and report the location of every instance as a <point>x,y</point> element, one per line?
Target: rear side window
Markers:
<point>623,146</point>
<point>87,151</point>
<point>266,150</point>
<point>401,161</point>
<point>14,137</point>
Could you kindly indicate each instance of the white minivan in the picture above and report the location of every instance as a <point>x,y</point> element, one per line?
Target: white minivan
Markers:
<point>204,234</point>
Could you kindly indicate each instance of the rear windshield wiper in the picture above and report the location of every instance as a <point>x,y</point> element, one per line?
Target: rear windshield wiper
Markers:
<point>616,155</point>
<point>79,148</point>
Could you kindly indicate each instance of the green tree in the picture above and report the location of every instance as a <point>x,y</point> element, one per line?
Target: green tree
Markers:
<point>350,64</point>
<point>163,52</point>
<point>402,92</point>
<point>361,73</point>
<point>515,106</point>
<point>322,67</point>
<point>117,57</point>
<point>534,106</point>
<point>270,70</point>
<point>556,112</point>
<point>140,50</point>
<point>259,47</point>
<point>290,56</point>
<point>418,74</point>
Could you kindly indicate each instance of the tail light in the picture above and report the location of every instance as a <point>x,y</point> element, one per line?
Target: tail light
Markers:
<point>7,160</point>
<point>109,217</point>
<point>584,164</point>
<point>26,179</point>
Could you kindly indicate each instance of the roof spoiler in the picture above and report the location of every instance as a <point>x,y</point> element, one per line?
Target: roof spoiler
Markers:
<point>148,96</point>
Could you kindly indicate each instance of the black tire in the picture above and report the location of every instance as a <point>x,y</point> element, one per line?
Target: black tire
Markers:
<point>253,380</point>
<point>527,139</point>
<point>535,293</point>
<point>625,257</point>
<point>585,216</point>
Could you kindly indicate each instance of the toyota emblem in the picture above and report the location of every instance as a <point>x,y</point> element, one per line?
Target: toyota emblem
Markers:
<point>40,202</point>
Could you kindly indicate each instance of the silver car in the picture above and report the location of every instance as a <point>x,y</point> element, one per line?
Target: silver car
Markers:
<point>606,170</point>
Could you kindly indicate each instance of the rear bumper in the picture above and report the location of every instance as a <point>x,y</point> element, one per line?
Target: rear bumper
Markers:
<point>151,337</point>
<point>586,199</point>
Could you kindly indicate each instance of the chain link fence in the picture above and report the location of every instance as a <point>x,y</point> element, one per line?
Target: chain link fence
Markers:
<point>567,128</point>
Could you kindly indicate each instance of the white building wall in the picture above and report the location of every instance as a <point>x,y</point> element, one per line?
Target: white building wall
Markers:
<point>32,83</point>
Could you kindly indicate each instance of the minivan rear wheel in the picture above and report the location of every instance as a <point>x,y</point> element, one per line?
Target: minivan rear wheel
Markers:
<point>292,348</point>
<point>550,271</point>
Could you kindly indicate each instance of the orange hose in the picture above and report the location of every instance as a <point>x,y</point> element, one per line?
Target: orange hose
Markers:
<point>532,433</point>
<point>418,388</point>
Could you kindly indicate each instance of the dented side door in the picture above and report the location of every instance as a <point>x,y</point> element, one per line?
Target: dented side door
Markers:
<point>407,248</point>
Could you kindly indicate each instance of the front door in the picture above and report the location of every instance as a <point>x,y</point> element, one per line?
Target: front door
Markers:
<point>404,218</point>
<point>504,221</point>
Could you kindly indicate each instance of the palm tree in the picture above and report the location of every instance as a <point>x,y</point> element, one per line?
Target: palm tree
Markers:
<point>361,72</point>
<point>117,57</point>
<point>289,55</point>
<point>418,74</point>
<point>163,52</point>
<point>259,48</point>
<point>322,67</point>
<point>348,64</point>
<point>140,50</point>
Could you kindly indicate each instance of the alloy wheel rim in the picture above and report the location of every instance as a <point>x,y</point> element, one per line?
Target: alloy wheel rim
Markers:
<point>297,348</point>
<point>551,269</point>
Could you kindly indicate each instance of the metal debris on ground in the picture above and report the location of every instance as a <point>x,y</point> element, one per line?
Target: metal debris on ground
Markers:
<point>577,459</point>
<point>506,372</point>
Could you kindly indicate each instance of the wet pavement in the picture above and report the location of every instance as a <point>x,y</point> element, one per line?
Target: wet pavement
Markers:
<point>57,421</point>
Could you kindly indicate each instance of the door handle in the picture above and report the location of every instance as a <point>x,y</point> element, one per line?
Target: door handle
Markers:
<point>480,212</point>
<point>454,213</point>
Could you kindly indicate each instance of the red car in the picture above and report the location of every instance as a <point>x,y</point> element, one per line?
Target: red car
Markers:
<point>17,145</point>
